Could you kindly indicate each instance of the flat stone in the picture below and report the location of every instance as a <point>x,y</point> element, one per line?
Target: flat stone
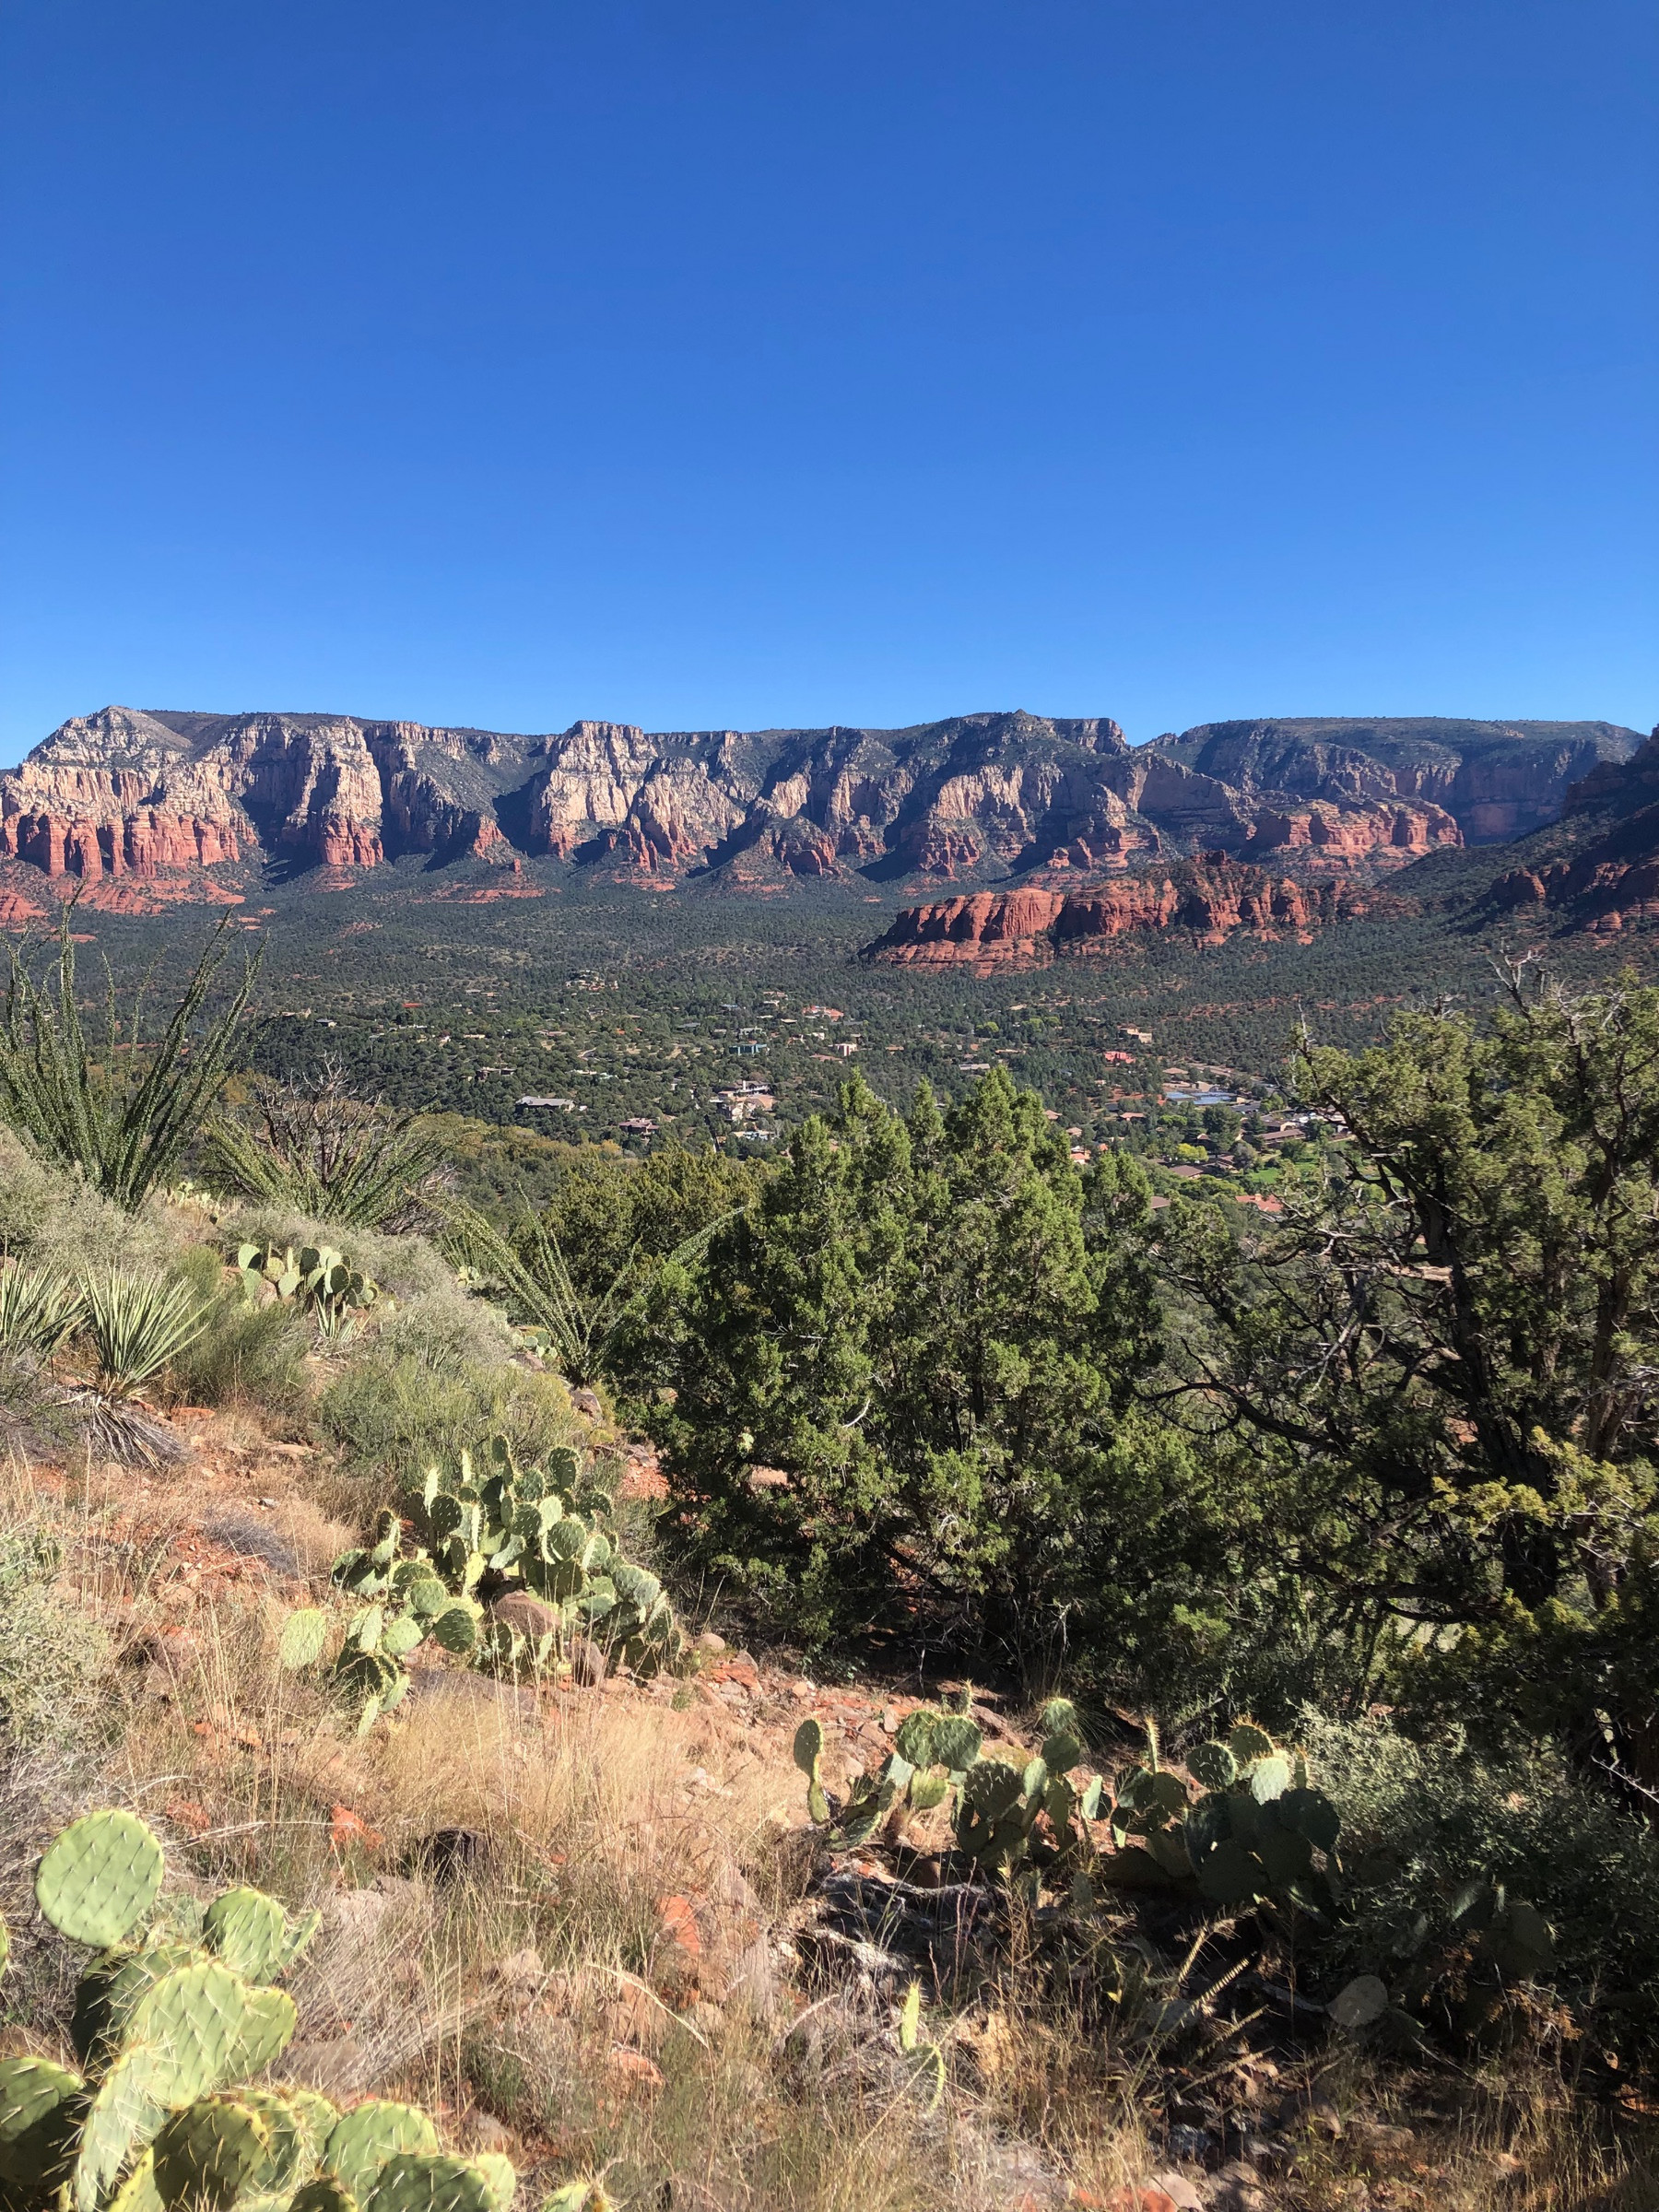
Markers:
<point>530,1615</point>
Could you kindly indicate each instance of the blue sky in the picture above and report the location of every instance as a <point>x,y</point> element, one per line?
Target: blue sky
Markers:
<point>767,361</point>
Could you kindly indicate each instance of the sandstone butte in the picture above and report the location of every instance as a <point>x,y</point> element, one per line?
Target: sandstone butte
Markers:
<point>1209,898</point>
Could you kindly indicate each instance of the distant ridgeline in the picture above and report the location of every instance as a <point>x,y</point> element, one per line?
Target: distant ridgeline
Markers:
<point>201,799</point>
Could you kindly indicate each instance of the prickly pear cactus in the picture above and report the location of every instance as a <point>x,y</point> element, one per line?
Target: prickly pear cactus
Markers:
<point>38,2120</point>
<point>317,1279</point>
<point>1005,1816</point>
<point>167,2116</point>
<point>495,1528</point>
<point>1258,1830</point>
<point>808,1752</point>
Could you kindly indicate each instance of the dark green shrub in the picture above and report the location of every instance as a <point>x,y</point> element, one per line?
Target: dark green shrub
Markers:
<point>1424,1822</point>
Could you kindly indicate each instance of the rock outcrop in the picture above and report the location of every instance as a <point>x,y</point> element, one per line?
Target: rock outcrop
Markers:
<point>128,792</point>
<point>1496,780</point>
<point>1373,838</point>
<point>1208,898</point>
<point>1600,869</point>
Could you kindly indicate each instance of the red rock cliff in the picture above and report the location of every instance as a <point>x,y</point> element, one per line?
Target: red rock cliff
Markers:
<point>1209,898</point>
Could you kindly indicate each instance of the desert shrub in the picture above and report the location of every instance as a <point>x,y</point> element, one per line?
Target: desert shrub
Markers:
<point>54,1661</point>
<point>58,1220</point>
<point>606,1211</point>
<point>394,1413</point>
<point>447,1331</point>
<point>1421,1820</point>
<point>246,1355</point>
<point>930,1326</point>
<point>1442,1356</point>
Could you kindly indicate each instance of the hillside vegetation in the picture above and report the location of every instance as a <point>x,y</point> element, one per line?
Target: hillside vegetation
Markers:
<point>935,1665</point>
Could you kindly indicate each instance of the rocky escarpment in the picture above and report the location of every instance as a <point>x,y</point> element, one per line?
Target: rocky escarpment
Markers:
<point>1208,898</point>
<point>1496,780</point>
<point>125,791</point>
<point>1600,869</point>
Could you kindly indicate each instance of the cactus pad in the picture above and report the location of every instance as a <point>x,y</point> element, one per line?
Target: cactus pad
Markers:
<point>326,2194</point>
<point>1270,1777</point>
<point>810,1747</point>
<point>808,1750</point>
<point>37,2121</point>
<point>1248,1743</point>
<point>1213,1767</point>
<point>194,2018</point>
<point>112,1985</point>
<point>139,2192</point>
<point>501,2177</point>
<point>210,2152</point>
<point>291,2155</point>
<point>956,1743</point>
<point>455,1628</point>
<point>361,2141</point>
<point>314,2115</point>
<point>264,2028</point>
<point>249,1931</point>
<point>130,2106</point>
<point>914,1740</point>
<point>304,1634</point>
<point>415,2184</point>
<point>100,1878</point>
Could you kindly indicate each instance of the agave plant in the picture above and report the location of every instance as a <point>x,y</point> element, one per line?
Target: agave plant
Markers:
<point>124,1115</point>
<point>137,1323</point>
<point>37,1309</point>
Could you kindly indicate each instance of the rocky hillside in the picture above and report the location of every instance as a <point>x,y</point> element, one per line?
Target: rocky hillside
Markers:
<point>1598,868</point>
<point>141,794</point>
<point>1497,780</point>
<point>1208,898</point>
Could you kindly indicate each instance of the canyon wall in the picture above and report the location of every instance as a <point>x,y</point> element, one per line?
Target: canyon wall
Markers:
<point>141,793</point>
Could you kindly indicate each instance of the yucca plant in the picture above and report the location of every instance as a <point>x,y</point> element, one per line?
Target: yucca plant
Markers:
<point>137,1323</point>
<point>123,1115</point>
<point>37,1309</point>
<point>325,1153</point>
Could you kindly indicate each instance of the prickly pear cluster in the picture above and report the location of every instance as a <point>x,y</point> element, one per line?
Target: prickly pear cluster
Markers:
<point>1002,1814</point>
<point>1257,1830</point>
<point>317,1279</point>
<point>404,1601</point>
<point>541,1527</point>
<point>1006,1813</point>
<point>486,1533</point>
<point>170,2032</point>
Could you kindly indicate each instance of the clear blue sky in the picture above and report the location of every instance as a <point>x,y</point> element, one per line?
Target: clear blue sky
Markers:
<point>765,361</point>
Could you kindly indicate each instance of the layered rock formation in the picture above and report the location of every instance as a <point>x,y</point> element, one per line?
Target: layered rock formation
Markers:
<point>1208,898</point>
<point>1600,869</point>
<point>1496,780</point>
<point>987,795</point>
